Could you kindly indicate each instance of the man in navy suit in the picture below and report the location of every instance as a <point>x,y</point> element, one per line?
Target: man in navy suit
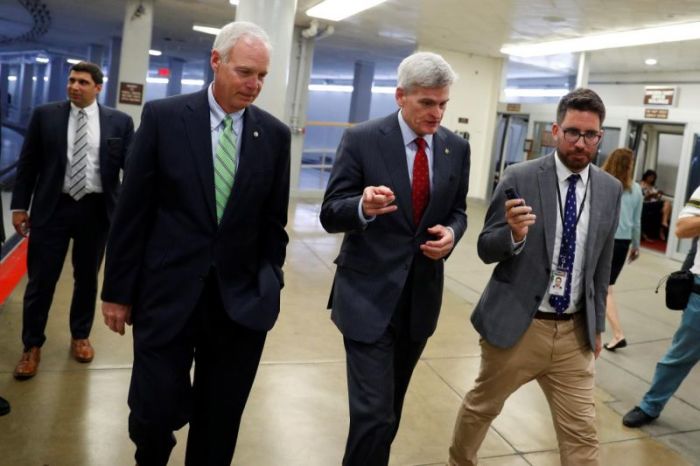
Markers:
<point>398,191</point>
<point>195,257</point>
<point>68,172</point>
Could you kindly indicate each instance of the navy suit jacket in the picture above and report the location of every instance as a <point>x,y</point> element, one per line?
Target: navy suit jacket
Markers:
<point>375,260</point>
<point>42,161</point>
<point>165,238</point>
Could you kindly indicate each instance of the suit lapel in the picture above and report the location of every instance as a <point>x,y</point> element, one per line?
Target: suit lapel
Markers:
<point>250,157</point>
<point>198,129</point>
<point>548,202</point>
<point>393,152</point>
<point>104,124</point>
<point>62,128</point>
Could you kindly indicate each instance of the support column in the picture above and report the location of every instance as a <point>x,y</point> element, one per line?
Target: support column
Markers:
<point>39,84</point>
<point>26,84</point>
<point>57,78</point>
<point>4,74</point>
<point>279,26</point>
<point>298,98</point>
<point>136,41</point>
<point>115,53</point>
<point>361,98</point>
<point>175,79</point>
<point>474,100</point>
<point>96,54</point>
<point>583,70</point>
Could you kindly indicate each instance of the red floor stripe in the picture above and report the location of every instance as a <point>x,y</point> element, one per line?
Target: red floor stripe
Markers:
<point>12,269</point>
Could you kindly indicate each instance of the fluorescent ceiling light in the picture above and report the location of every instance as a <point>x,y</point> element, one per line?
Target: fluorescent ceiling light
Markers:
<point>42,60</point>
<point>655,35</point>
<point>651,61</point>
<point>336,10</point>
<point>192,82</point>
<point>12,78</point>
<point>155,53</point>
<point>233,2</point>
<point>206,29</point>
<point>518,92</point>
<point>349,88</point>
<point>73,61</point>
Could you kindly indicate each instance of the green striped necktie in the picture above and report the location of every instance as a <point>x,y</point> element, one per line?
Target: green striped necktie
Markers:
<point>224,166</point>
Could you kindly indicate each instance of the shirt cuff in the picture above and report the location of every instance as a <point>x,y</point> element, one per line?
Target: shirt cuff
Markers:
<point>361,215</point>
<point>517,247</point>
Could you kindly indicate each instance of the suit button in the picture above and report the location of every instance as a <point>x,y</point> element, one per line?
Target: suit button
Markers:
<point>538,298</point>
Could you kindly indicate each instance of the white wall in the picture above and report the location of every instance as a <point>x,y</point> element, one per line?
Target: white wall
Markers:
<point>474,96</point>
<point>628,89</point>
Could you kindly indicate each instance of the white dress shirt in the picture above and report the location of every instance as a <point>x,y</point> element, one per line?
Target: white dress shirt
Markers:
<point>576,278</point>
<point>93,179</point>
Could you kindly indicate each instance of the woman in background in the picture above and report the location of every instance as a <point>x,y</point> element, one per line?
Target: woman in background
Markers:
<point>620,164</point>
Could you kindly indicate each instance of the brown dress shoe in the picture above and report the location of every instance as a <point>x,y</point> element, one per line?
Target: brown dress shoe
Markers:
<point>81,349</point>
<point>27,366</point>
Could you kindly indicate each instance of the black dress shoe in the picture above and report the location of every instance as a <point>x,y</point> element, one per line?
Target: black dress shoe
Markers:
<point>4,406</point>
<point>620,344</point>
<point>637,418</point>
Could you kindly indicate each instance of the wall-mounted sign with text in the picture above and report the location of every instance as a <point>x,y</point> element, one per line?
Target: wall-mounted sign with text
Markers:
<point>666,96</point>
<point>657,113</point>
<point>130,93</point>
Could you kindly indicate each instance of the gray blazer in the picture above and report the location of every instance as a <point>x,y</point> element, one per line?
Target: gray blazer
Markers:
<point>375,261</point>
<point>519,282</point>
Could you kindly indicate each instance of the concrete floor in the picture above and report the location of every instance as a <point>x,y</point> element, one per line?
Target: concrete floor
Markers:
<point>76,414</point>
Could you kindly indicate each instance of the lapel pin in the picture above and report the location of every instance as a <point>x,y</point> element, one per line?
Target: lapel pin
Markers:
<point>255,134</point>
<point>447,151</point>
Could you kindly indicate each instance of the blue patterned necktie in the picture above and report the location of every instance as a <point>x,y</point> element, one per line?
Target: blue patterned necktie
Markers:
<point>567,250</point>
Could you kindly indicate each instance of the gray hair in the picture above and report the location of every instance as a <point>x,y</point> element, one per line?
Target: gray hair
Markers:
<point>425,69</point>
<point>232,32</point>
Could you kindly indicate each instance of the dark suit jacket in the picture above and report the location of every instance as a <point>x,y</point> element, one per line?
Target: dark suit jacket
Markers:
<point>165,238</point>
<point>519,282</point>
<point>374,262</point>
<point>42,162</point>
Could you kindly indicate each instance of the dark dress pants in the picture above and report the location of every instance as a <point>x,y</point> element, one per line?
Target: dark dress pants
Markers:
<point>378,376</point>
<point>163,399</point>
<point>85,222</point>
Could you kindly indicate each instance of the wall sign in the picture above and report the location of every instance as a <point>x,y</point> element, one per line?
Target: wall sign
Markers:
<point>658,113</point>
<point>660,95</point>
<point>130,93</point>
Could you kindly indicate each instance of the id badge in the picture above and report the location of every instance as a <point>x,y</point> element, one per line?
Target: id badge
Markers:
<point>558,282</point>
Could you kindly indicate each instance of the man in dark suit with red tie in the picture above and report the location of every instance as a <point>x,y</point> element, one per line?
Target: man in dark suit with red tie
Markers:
<point>68,172</point>
<point>195,256</point>
<point>398,192</point>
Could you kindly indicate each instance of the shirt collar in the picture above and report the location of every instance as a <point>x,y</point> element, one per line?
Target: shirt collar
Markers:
<point>409,135</point>
<point>217,114</point>
<point>563,172</point>
<point>91,109</point>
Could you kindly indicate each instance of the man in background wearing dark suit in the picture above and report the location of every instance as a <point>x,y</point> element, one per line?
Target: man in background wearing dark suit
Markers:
<point>69,173</point>
<point>543,310</point>
<point>196,253</point>
<point>398,191</point>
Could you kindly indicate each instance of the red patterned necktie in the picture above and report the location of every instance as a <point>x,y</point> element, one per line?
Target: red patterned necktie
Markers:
<point>420,193</point>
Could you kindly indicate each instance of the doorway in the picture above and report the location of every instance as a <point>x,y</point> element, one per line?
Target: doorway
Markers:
<point>509,143</point>
<point>657,147</point>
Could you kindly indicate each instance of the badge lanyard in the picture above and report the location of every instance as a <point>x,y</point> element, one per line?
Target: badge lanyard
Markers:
<point>583,202</point>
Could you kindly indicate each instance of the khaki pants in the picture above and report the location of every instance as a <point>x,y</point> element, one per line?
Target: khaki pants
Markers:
<point>558,356</point>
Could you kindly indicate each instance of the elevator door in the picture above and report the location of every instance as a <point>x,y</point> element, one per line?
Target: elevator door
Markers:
<point>509,144</point>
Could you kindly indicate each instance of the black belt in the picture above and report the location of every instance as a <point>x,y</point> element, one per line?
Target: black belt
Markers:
<point>553,316</point>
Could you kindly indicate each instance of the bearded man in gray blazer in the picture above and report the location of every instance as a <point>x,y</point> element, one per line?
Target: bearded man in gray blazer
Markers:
<point>398,191</point>
<point>551,220</point>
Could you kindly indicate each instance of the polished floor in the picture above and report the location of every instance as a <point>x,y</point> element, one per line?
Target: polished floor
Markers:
<point>75,414</point>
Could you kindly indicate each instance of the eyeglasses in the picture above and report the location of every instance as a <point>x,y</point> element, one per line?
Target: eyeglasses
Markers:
<point>591,138</point>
